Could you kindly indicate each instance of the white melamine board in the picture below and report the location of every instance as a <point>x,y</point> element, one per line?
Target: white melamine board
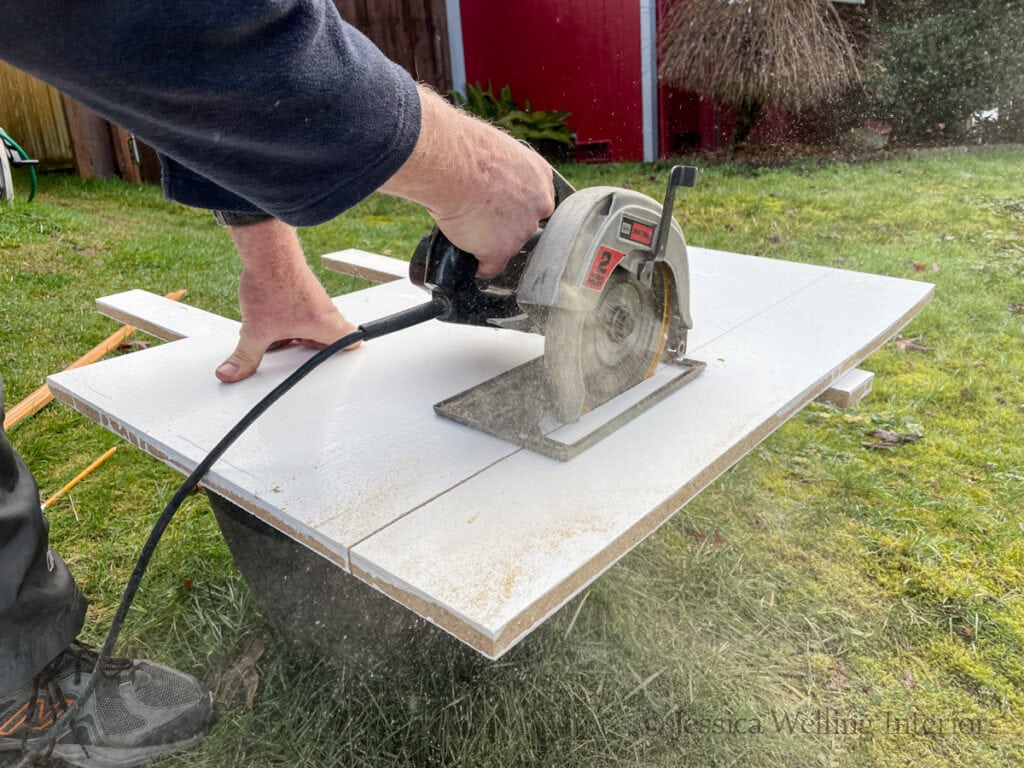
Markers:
<point>496,555</point>
<point>369,266</point>
<point>161,317</point>
<point>482,537</point>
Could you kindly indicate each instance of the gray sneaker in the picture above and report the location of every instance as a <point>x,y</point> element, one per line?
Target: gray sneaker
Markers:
<point>139,711</point>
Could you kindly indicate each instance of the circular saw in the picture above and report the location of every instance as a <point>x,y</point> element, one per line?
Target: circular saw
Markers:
<point>605,280</point>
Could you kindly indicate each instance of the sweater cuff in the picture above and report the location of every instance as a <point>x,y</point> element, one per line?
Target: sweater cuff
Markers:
<point>187,187</point>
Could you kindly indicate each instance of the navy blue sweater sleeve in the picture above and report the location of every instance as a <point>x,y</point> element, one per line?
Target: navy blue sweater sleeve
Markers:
<point>255,105</point>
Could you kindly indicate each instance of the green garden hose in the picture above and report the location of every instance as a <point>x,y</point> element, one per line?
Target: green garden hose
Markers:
<point>7,140</point>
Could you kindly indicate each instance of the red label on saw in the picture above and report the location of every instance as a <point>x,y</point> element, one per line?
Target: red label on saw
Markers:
<point>601,267</point>
<point>636,231</point>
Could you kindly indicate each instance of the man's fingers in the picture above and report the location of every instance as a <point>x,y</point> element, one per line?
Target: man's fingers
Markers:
<point>487,271</point>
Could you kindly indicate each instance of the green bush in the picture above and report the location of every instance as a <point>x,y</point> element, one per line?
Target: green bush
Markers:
<point>941,63</point>
<point>544,129</point>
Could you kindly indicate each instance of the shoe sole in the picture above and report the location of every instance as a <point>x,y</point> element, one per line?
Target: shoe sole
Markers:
<point>100,757</point>
<point>92,756</point>
<point>110,757</point>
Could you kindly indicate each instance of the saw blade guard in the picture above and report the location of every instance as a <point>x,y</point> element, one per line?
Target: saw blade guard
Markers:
<point>597,230</point>
<point>599,251</point>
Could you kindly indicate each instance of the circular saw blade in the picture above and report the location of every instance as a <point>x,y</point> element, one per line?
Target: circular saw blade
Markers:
<point>590,357</point>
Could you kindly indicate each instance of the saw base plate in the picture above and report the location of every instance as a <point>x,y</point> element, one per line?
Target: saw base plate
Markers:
<point>516,406</point>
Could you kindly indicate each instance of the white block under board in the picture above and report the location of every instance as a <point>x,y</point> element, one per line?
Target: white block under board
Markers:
<point>849,389</point>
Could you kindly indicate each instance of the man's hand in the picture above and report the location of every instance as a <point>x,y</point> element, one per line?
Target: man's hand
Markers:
<point>486,191</point>
<point>280,298</point>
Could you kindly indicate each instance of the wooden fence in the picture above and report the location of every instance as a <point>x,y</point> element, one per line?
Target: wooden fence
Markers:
<point>61,133</point>
<point>32,113</point>
<point>413,33</point>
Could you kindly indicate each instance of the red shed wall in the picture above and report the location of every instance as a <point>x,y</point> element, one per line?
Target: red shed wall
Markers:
<point>581,56</point>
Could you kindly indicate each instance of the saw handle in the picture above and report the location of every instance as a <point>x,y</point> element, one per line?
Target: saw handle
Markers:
<point>679,176</point>
<point>449,273</point>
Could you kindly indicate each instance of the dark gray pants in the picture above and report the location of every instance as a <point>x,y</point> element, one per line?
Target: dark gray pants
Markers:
<point>41,609</point>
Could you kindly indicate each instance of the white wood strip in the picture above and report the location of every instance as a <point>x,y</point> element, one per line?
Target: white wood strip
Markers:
<point>159,316</point>
<point>368,266</point>
<point>849,389</point>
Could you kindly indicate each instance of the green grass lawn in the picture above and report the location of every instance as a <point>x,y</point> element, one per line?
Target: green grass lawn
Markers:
<point>822,604</point>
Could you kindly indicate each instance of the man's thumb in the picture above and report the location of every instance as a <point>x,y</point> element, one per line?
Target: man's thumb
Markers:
<point>243,362</point>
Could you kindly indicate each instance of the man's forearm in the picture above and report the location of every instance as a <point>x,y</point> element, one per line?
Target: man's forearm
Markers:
<point>485,190</point>
<point>254,104</point>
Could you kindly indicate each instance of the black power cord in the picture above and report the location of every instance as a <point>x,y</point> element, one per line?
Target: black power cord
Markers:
<point>438,307</point>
